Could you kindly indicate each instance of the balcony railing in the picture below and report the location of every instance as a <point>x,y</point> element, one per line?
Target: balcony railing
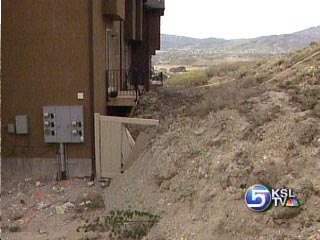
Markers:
<point>122,84</point>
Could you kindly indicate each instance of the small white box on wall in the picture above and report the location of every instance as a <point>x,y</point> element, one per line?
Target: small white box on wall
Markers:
<point>80,95</point>
<point>22,124</point>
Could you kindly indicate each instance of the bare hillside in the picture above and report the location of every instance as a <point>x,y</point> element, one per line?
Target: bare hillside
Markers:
<point>214,143</point>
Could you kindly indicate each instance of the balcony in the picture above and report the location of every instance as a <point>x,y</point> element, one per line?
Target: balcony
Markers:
<point>155,4</point>
<point>123,87</point>
<point>114,9</point>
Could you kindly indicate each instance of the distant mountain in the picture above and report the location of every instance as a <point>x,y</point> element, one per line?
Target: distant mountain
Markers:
<point>179,42</point>
<point>172,41</point>
<point>177,47</point>
<point>287,42</point>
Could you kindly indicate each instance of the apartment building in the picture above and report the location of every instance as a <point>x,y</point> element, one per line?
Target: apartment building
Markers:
<point>70,58</point>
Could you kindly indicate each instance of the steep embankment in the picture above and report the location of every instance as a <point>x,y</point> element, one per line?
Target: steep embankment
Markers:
<point>214,143</point>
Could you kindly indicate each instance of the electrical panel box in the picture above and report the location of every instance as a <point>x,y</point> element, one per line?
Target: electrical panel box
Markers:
<point>22,124</point>
<point>63,124</point>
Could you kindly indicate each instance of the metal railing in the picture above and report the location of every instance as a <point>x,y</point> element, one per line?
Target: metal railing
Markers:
<point>122,83</point>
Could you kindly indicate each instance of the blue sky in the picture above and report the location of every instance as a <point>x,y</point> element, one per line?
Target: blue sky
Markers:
<point>238,18</point>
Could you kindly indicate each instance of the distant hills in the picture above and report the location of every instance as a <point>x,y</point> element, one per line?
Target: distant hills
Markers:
<point>185,48</point>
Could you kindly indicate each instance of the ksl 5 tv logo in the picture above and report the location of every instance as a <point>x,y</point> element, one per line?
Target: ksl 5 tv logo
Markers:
<point>259,198</point>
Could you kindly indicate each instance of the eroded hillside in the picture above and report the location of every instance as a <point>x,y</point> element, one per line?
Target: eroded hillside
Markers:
<point>215,142</point>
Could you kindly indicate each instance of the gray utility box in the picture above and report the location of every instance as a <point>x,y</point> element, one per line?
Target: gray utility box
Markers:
<point>63,124</point>
<point>22,124</point>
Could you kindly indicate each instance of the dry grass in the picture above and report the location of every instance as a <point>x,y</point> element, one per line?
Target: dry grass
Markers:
<point>232,83</point>
<point>229,69</point>
<point>189,79</point>
<point>227,95</point>
<point>303,85</point>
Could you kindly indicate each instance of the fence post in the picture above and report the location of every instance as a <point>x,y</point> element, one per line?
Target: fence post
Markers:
<point>97,145</point>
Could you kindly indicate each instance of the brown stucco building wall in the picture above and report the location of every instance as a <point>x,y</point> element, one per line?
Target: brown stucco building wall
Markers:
<point>45,52</point>
<point>54,49</point>
<point>99,54</point>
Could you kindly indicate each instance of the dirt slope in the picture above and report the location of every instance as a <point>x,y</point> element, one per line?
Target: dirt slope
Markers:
<point>198,167</point>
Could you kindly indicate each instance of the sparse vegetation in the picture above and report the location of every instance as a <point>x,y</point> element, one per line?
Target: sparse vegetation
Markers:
<point>15,229</point>
<point>92,202</point>
<point>234,69</point>
<point>121,224</point>
<point>226,95</point>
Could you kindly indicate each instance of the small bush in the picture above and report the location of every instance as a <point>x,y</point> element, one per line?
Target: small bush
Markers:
<point>316,110</point>
<point>97,202</point>
<point>307,132</point>
<point>126,224</point>
<point>259,117</point>
<point>307,98</point>
<point>91,202</point>
<point>15,229</point>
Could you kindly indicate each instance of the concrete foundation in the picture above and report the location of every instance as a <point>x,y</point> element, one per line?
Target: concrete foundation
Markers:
<point>42,168</point>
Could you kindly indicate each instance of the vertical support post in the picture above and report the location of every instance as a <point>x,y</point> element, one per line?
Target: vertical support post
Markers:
<point>63,162</point>
<point>121,146</point>
<point>97,145</point>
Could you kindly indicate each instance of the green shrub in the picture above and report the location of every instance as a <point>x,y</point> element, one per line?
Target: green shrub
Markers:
<point>15,229</point>
<point>124,224</point>
<point>92,202</point>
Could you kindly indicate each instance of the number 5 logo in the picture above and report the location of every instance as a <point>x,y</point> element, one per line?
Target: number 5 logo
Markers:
<point>258,198</point>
